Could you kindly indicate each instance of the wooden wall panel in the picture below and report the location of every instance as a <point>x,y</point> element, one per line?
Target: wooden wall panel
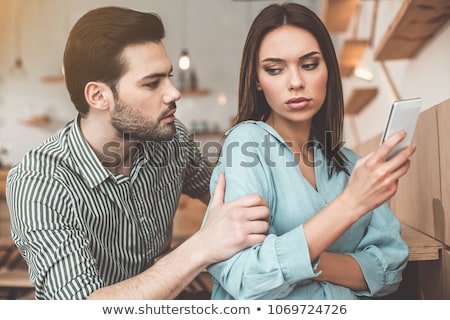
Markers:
<point>420,187</point>
<point>442,209</point>
<point>434,278</point>
<point>423,198</point>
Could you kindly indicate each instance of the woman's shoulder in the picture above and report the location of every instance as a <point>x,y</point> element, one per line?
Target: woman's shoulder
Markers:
<point>252,130</point>
<point>248,126</point>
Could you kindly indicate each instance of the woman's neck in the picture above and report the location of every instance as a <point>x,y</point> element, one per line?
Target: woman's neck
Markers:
<point>296,135</point>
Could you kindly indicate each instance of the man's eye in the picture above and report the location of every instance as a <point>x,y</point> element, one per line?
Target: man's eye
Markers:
<point>152,85</point>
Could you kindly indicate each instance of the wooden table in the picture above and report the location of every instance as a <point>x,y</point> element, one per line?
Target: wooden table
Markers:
<point>190,213</point>
<point>421,246</point>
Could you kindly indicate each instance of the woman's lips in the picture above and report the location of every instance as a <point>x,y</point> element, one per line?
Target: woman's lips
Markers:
<point>298,103</point>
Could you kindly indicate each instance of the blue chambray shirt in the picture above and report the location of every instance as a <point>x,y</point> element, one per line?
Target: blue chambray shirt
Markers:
<point>255,159</point>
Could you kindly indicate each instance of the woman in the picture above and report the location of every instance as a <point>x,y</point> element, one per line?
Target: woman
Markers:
<point>332,234</point>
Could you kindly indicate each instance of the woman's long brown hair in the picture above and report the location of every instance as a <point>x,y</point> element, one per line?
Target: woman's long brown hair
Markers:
<point>327,124</point>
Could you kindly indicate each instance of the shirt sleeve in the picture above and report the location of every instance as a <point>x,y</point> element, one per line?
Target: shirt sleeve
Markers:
<point>272,269</point>
<point>382,254</point>
<point>49,238</point>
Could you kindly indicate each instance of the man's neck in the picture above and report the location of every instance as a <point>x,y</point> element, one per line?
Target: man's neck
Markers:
<point>116,154</point>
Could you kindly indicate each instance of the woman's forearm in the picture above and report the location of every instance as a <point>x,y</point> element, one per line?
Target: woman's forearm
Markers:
<point>341,269</point>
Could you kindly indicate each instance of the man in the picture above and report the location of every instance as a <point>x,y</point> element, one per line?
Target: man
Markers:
<point>92,208</point>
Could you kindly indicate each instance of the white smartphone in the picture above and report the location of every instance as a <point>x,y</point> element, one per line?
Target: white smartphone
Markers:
<point>403,116</point>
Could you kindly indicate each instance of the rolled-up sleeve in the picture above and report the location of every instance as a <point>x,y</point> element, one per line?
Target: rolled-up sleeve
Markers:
<point>382,254</point>
<point>270,270</point>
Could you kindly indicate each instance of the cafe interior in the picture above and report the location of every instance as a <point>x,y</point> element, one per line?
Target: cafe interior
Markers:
<point>387,50</point>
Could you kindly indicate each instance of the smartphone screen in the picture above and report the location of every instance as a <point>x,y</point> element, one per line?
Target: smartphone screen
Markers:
<point>403,116</point>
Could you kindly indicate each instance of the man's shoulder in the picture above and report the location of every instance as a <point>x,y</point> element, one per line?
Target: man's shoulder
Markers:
<point>47,157</point>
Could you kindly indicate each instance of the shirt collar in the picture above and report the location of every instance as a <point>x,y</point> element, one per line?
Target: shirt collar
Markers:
<point>86,161</point>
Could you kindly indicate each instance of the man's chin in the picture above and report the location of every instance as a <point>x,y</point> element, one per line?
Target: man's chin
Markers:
<point>161,135</point>
<point>165,134</point>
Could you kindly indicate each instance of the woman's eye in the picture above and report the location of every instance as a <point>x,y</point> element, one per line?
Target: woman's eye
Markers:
<point>310,66</point>
<point>272,70</point>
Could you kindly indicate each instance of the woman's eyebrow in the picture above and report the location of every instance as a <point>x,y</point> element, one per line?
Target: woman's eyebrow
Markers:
<point>305,56</point>
<point>273,60</point>
<point>312,53</point>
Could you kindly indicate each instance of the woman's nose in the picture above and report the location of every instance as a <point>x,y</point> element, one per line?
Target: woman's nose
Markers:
<point>295,80</point>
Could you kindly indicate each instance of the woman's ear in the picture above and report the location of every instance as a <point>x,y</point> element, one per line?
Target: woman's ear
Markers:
<point>98,95</point>
<point>258,86</point>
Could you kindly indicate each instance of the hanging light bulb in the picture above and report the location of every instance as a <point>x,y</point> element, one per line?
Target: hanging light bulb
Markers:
<point>17,70</point>
<point>363,73</point>
<point>185,61</point>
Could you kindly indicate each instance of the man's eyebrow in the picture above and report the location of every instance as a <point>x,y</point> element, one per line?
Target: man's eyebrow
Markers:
<point>305,56</point>
<point>158,74</point>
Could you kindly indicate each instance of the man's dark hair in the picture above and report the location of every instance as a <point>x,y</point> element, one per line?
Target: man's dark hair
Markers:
<point>94,48</point>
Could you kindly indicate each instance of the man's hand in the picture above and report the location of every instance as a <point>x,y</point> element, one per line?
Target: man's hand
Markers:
<point>233,226</point>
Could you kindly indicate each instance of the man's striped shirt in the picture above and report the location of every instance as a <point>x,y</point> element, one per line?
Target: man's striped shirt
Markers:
<point>79,227</point>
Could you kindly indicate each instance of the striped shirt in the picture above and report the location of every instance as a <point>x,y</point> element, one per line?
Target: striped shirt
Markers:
<point>80,227</point>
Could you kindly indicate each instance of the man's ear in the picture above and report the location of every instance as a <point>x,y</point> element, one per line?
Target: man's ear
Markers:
<point>98,95</point>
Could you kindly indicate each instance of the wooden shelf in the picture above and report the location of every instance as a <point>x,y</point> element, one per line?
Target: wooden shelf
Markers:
<point>38,120</point>
<point>338,14</point>
<point>416,23</point>
<point>198,92</point>
<point>350,55</point>
<point>53,79</point>
<point>3,176</point>
<point>359,99</point>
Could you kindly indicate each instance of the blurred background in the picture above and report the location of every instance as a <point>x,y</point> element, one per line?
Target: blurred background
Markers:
<point>388,49</point>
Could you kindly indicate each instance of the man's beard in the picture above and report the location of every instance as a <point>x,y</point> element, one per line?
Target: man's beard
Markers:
<point>131,125</point>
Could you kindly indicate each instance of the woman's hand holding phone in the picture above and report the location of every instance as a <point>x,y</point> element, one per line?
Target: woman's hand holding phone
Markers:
<point>375,177</point>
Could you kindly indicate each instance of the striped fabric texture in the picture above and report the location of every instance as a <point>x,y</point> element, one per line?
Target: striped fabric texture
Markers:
<point>80,228</point>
